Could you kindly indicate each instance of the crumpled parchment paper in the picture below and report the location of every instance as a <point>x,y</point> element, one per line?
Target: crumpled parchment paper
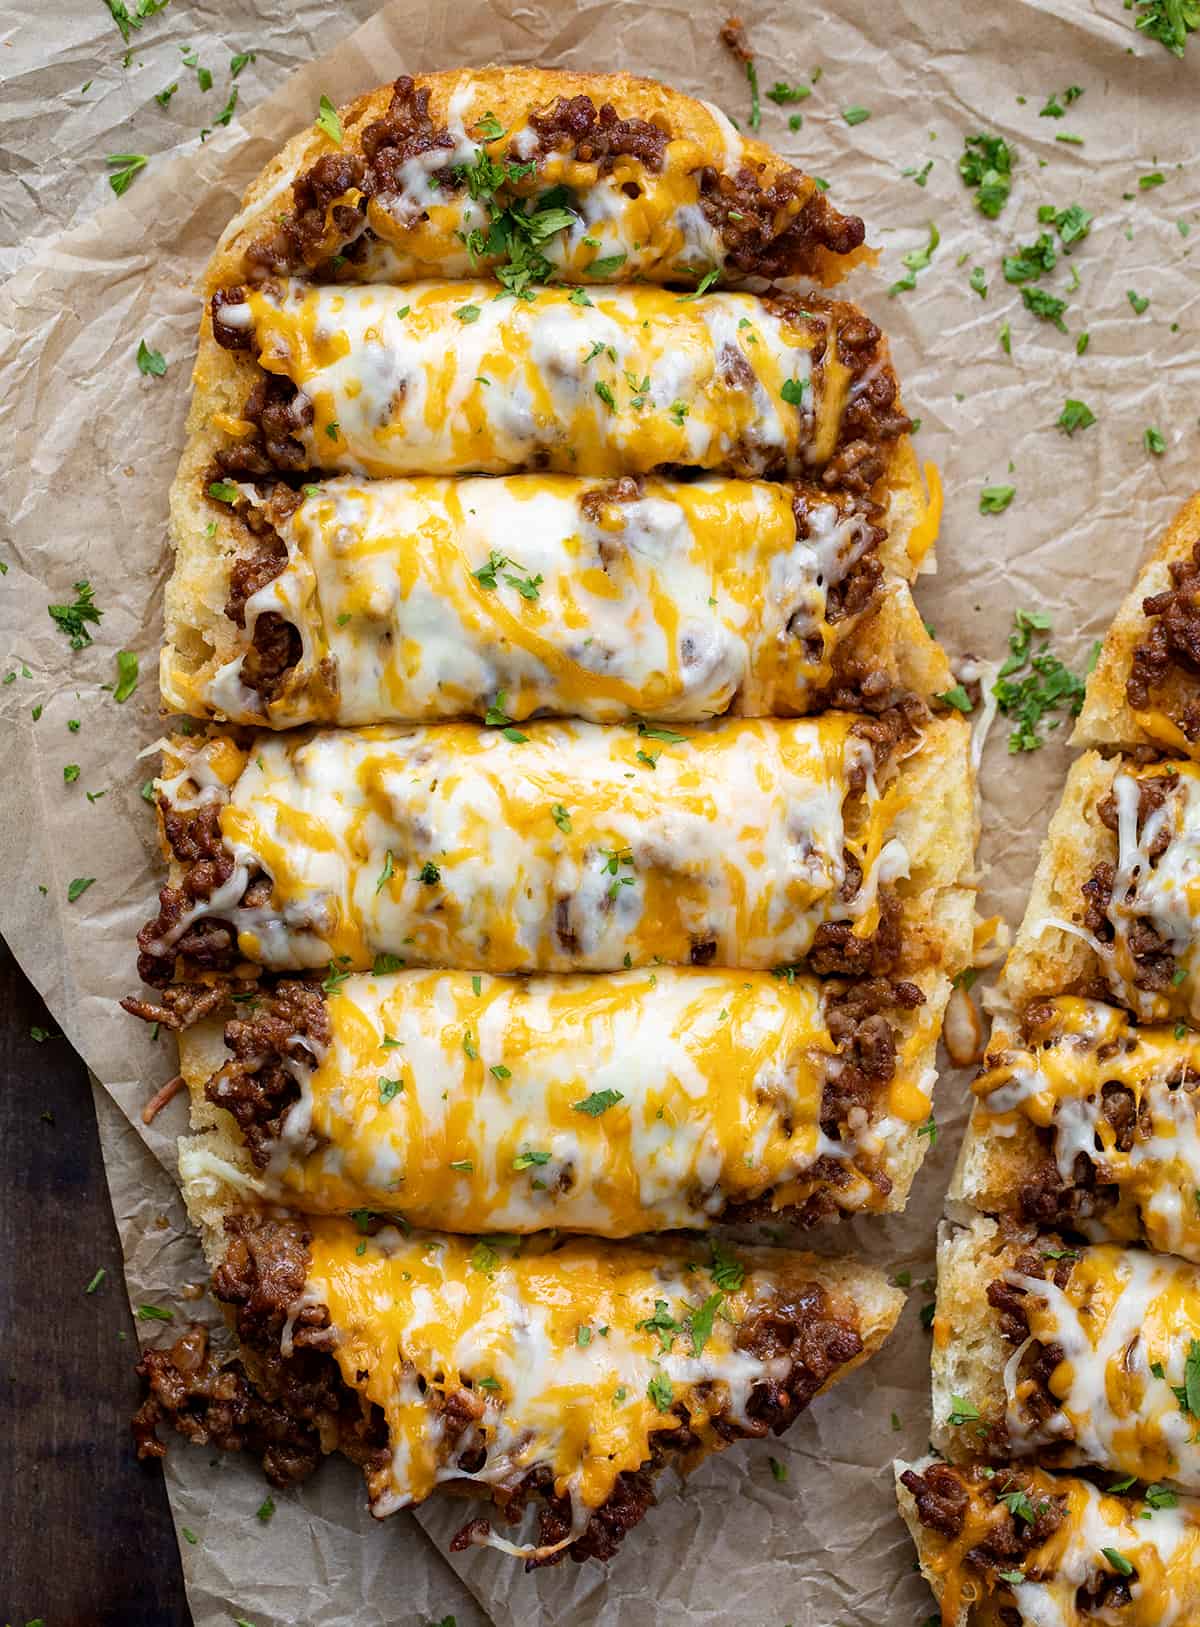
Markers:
<point>91,447</point>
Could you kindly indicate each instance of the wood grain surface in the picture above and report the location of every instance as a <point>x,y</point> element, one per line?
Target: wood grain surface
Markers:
<point>86,1538</point>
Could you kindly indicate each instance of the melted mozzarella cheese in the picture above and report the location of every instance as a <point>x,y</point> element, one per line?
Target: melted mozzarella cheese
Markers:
<point>418,600</point>
<point>636,1102</point>
<point>1123,1317</point>
<point>1165,890</point>
<point>446,378</point>
<point>1059,1087</point>
<point>554,1346</point>
<point>1160,1544</point>
<point>567,847</point>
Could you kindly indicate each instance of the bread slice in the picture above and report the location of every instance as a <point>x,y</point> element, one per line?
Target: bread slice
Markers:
<point>498,1343</point>
<point>1138,948</point>
<point>297,803</point>
<point>374,1125</point>
<point>1080,1356</point>
<point>1068,1540</point>
<point>701,599</point>
<point>1079,1081</point>
<point>1167,714</point>
<point>659,191</point>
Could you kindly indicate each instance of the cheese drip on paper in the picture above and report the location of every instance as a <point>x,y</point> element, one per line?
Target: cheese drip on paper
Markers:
<point>1161,1546</point>
<point>637,1102</point>
<point>1124,1318</point>
<point>1060,1085</point>
<point>558,847</point>
<point>554,1347</point>
<point>448,378</point>
<point>417,600</point>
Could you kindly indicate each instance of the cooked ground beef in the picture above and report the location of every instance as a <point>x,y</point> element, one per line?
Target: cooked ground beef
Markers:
<point>291,1408</point>
<point>292,1021</point>
<point>944,1493</point>
<point>278,410</point>
<point>1171,641</point>
<point>1153,792</point>
<point>1155,962</point>
<point>179,1005</point>
<point>597,136</point>
<point>837,951</point>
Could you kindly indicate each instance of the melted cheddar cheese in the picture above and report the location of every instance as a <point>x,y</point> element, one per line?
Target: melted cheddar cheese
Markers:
<point>637,1102</point>
<point>554,1347</point>
<point>418,599</point>
<point>1058,1085</point>
<point>1160,1545</point>
<point>1125,1322</point>
<point>566,846</point>
<point>1162,888</point>
<point>447,378</point>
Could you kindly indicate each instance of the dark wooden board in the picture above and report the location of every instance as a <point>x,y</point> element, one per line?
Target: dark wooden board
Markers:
<point>85,1533</point>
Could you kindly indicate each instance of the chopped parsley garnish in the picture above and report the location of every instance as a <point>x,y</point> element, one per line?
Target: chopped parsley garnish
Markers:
<point>154,1313</point>
<point>930,1129</point>
<point>561,817</point>
<point>661,1391</point>
<point>469,1047</point>
<point>583,1336</point>
<point>1054,109</point>
<point>579,296</point>
<point>700,1322</point>
<point>856,115</point>
<point>497,718</point>
<point>483,1256</point>
<point>529,1158</point>
<point>124,166</point>
<point>239,61</point>
<point>335,977</point>
<point>1013,1578</point>
<point>793,390</point>
<point>607,265</point>
<point>956,697</point>
<point>702,287</point>
<point>464,1166</point>
<point>1006,338</point>
<point>327,121</point>
<point>655,731</point>
<point>389,1089</point>
<point>499,1071</point>
<point>1167,21</point>
<point>1154,442</point>
<point>383,964</point>
<point>917,260</point>
<point>662,1323</point>
<point>598,1102</point>
<point>978,281</point>
<point>1118,1561</point>
<point>127,20</point>
<point>986,164</point>
<point>1188,1393</point>
<point>467,313</point>
<point>995,499</point>
<point>1031,261</point>
<point>1047,686</point>
<point>604,391</point>
<point>1075,415</point>
<point>1018,1505</point>
<point>72,619</point>
<point>127,675</point>
<point>96,1281</point>
<point>727,1271</point>
<point>77,888</point>
<point>223,491</point>
<point>961,1411</point>
<point>783,95</point>
<point>677,412</point>
<point>755,105</point>
<point>1146,182</point>
<point>1138,301</point>
<point>778,1470</point>
<point>150,361</point>
<point>1046,306</point>
<point>1160,1496</point>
